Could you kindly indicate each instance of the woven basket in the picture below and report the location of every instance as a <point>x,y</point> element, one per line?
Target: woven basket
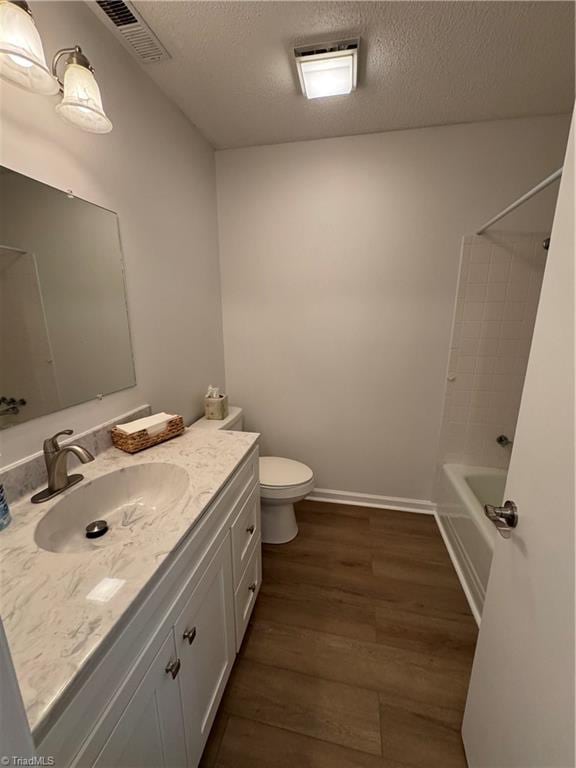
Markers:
<point>139,441</point>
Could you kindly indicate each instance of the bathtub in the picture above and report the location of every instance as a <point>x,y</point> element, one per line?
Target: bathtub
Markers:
<point>468,533</point>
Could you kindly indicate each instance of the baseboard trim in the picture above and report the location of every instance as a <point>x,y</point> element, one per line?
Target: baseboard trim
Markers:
<point>419,506</point>
<point>458,568</point>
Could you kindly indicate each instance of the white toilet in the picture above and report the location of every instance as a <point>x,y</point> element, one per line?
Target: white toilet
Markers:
<point>283,482</point>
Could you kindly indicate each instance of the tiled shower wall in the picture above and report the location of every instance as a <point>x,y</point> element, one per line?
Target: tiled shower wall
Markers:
<point>498,292</point>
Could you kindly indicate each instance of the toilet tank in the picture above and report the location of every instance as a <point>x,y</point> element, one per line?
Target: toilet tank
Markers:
<point>234,421</point>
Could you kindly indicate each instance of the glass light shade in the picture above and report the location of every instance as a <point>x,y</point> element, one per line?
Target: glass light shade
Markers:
<point>22,60</point>
<point>328,76</point>
<point>81,103</point>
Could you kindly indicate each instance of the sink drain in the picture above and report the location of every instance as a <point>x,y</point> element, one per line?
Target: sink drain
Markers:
<point>96,529</point>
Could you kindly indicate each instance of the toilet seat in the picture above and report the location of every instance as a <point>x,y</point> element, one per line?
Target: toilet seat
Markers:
<point>277,473</point>
<point>289,493</point>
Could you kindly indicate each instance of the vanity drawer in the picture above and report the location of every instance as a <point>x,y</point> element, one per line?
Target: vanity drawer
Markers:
<point>247,592</point>
<point>245,531</point>
<point>241,484</point>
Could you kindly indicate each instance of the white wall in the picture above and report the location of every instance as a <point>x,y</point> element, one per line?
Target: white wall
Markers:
<point>157,172</point>
<point>339,265</point>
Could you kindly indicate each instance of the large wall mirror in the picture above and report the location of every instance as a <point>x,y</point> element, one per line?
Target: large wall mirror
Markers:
<point>64,331</point>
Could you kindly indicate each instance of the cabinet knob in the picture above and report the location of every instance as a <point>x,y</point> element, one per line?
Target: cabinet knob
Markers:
<point>189,635</point>
<point>250,529</point>
<point>172,668</point>
<point>252,587</point>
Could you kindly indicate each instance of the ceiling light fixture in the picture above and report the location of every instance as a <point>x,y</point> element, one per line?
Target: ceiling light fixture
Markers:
<point>327,69</point>
<point>22,60</point>
<point>81,103</point>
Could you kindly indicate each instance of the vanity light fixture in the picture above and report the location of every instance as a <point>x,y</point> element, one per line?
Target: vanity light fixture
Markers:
<point>22,60</point>
<point>81,103</point>
<point>327,69</point>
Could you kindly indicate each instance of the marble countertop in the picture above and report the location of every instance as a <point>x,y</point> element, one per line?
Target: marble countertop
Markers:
<point>53,629</point>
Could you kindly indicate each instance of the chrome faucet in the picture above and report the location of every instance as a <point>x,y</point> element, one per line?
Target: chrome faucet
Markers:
<point>56,459</point>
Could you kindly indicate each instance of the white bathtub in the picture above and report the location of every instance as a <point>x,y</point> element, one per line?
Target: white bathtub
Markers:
<point>468,533</point>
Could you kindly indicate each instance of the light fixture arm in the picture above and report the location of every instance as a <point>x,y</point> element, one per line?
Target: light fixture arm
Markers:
<point>75,56</point>
<point>22,4</point>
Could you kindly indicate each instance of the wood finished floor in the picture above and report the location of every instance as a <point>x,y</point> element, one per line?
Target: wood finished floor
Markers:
<point>359,650</point>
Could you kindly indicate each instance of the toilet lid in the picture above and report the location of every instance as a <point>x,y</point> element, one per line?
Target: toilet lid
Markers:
<point>281,473</point>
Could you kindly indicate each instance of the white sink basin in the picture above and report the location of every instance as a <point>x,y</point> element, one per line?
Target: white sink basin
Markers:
<point>129,499</point>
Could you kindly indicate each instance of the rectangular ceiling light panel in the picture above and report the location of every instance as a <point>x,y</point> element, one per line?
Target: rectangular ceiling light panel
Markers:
<point>327,69</point>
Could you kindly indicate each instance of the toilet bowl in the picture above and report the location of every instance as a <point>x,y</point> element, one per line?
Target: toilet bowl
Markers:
<point>283,482</point>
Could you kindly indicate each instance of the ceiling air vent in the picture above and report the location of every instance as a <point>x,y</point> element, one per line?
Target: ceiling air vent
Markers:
<point>131,28</point>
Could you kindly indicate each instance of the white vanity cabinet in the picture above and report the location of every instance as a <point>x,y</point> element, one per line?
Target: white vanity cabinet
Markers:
<point>206,649</point>
<point>150,731</point>
<point>151,700</point>
<point>168,719</point>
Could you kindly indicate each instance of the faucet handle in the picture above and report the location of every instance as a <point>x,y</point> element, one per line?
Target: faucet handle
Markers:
<point>51,444</point>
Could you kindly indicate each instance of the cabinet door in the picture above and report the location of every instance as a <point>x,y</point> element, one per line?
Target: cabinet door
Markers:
<point>150,732</point>
<point>205,644</point>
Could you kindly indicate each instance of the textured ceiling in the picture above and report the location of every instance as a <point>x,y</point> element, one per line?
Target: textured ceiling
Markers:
<point>421,63</point>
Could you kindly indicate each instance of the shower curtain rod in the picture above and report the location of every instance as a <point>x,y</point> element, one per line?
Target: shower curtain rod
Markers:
<point>534,191</point>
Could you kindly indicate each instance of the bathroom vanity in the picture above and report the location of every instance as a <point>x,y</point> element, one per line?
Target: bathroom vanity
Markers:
<point>123,646</point>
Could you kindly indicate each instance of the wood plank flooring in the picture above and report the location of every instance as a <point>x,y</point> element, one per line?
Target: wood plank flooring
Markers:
<point>358,653</point>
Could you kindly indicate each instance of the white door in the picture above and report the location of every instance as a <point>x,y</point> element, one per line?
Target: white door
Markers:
<point>150,732</point>
<point>205,641</point>
<point>520,708</point>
